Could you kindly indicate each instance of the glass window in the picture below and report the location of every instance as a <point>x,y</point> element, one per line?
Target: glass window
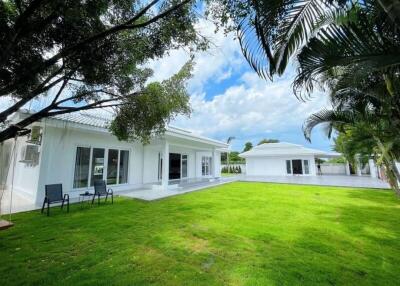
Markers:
<point>97,165</point>
<point>81,175</point>
<point>184,166</point>
<point>288,167</point>
<point>112,167</point>
<point>115,170</point>
<point>123,167</point>
<point>306,167</point>
<point>206,166</point>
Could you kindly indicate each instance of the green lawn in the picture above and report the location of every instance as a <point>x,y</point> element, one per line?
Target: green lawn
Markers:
<point>234,234</point>
<point>229,174</point>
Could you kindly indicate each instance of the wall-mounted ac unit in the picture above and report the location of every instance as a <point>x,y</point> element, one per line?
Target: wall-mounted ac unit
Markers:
<point>35,137</point>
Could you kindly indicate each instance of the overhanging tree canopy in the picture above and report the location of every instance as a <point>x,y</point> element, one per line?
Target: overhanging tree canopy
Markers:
<point>91,54</point>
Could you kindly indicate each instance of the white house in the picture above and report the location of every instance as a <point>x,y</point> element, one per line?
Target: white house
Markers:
<point>282,159</point>
<point>77,148</point>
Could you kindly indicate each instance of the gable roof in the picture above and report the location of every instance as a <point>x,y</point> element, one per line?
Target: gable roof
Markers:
<point>102,121</point>
<point>285,149</point>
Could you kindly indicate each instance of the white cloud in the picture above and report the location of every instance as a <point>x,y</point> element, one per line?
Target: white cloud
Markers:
<point>250,109</point>
<point>218,63</point>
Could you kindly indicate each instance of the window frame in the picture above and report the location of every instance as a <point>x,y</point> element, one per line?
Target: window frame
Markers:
<point>304,167</point>
<point>187,165</point>
<point>290,166</point>
<point>207,159</point>
<point>91,147</point>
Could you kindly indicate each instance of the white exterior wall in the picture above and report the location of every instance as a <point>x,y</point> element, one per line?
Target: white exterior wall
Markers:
<point>59,152</point>
<point>208,154</point>
<point>275,166</point>
<point>333,168</point>
<point>23,177</point>
<point>191,158</point>
<point>150,163</point>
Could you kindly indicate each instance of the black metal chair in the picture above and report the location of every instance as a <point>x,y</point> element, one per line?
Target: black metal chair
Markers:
<point>54,194</point>
<point>100,190</point>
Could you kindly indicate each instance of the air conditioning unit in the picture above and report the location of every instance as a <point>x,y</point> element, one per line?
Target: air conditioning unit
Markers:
<point>30,154</point>
<point>35,137</point>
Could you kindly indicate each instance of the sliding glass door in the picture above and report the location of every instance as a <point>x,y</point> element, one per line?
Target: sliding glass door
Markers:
<point>82,165</point>
<point>97,165</point>
<point>112,167</point>
<point>206,165</point>
<point>184,166</point>
<point>298,167</point>
<point>100,164</point>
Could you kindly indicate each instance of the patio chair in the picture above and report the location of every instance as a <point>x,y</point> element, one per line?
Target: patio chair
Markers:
<point>100,190</point>
<point>54,194</point>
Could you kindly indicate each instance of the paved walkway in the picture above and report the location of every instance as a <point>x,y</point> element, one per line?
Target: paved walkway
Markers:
<point>325,180</point>
<point>19,203</point>
<point>155,194</point>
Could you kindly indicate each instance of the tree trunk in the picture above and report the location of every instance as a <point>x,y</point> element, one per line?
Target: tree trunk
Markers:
<point>13,130</point>
<point>396,175</point>
<point>227,161</point>
<point>391,175</point>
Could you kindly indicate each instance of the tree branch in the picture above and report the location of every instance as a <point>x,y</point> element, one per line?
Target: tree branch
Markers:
<point>125,26</point>
<point>41,88</point>
<point>161,15</point>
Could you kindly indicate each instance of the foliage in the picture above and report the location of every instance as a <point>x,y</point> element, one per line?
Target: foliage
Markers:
<point>265,140</point>
<point>230,139</point>
<point>81,55</point>
<point>149,113</point>
<point>247,146</point>
<point>231,170</point>
<point>233,157</point>
<point>350,49</point>
<point>276,235</point>
<point>338,160</point>
<point>271,32</point>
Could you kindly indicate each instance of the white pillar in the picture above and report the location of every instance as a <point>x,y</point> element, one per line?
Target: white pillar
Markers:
<point>214,164</point>
<point>348,173</point>
<point>372,168</point>
<point>358,168</point>
<point>165,166</point>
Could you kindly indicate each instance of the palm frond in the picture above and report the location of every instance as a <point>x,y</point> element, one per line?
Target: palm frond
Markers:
<point>343,46</point>
<point>329,117</point>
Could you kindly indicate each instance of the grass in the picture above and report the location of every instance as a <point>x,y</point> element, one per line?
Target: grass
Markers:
<point>234,234</point>
<point>229,174</point>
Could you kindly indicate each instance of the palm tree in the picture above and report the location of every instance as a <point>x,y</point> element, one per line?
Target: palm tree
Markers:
<point>367,113</point>
<point>349,48</point>
<point>271,32</point>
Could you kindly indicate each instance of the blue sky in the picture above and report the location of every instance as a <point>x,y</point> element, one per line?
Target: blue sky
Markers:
<point>229,99</point>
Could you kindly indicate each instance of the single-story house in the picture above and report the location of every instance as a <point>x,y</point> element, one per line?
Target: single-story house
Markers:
<point>76,149</point>
<point>283,159</point>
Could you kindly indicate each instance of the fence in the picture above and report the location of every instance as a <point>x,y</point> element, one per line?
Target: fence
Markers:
<point>333,168</point>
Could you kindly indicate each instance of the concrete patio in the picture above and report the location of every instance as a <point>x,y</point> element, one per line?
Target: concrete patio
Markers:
<point>191,186</point>
<point>324,180</point>
<point>18,203</point>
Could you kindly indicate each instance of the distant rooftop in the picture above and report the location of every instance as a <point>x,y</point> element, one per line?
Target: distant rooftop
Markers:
<point>285,148</point>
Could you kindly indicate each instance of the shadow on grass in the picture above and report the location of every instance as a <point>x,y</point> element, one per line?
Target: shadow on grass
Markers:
<point>259,235</point>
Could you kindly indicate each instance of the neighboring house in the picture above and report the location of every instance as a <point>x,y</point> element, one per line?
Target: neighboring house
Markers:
<point>283,159</point>
<point>76,149</point>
